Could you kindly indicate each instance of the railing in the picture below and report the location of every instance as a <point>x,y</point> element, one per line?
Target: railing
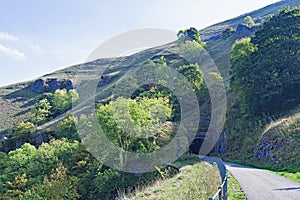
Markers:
<point>222,190</point>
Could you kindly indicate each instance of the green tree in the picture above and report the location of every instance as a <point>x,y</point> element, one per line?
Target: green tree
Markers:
<point>16,188</point>
<point>58,186</point>
<point>191,34</point>
<point>240,61</point>
<point>41,112</point>
<point>191,51</point>
<point>265,71</point>
<point>194,76</point>
<point>133,124</point>
<point>62,100</point>
<point>67,127</point>
<point>249,21</point>
<point>23,131</point>
<point>73,96</point>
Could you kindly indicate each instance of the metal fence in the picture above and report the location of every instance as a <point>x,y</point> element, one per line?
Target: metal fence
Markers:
<point>222,190</point>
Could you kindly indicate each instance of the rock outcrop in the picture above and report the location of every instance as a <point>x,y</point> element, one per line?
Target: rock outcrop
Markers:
<point>228,32</point>
<point>50,85</point>
<point>104,81</point>
<point>243,31</point>
<point>266,148</point>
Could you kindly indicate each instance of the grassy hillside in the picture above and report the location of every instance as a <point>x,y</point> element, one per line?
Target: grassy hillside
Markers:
<point>16,100</point>
<point>279,142</point>
<point>260,13</point>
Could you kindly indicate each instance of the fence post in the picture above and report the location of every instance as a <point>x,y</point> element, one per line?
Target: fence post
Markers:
<point>225,189</point>
<point>223,173</point>
<point>220,193</point>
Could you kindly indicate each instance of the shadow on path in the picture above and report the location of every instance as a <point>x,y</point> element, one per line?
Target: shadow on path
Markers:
<point>287,189</point>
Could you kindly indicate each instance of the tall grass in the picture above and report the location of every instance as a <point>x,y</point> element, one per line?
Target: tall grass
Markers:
<point>196,181</point>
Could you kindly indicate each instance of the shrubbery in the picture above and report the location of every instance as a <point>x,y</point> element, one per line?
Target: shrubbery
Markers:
<point>52,105</point>
<point>265,70</point>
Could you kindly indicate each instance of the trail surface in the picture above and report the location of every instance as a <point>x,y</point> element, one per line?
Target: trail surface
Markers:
<point>263,185</point>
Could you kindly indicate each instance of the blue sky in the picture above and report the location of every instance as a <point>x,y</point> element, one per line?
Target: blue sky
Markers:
<point>38,37</point>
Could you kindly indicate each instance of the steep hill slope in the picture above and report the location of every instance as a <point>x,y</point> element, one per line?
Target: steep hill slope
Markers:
<point>63,159</point>
<point>16,100</point>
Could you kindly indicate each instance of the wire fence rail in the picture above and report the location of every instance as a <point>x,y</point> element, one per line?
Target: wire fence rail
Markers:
<point>221,194</point>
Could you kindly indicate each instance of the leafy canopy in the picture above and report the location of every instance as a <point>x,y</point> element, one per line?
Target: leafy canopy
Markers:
<point>266,70</point>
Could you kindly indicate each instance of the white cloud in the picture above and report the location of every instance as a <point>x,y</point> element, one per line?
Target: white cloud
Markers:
<point>13,52</point>
<point>8,37</point>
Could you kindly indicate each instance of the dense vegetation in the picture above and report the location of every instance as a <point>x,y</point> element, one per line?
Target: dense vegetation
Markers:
<point>53,104</point>
<point>265,71</point>
<point>48,107</point>
<point>135,125</point>
<point>191,34</point>
<point>61,167</point>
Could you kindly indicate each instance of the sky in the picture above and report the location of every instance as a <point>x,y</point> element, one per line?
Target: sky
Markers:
<point>39,37</point>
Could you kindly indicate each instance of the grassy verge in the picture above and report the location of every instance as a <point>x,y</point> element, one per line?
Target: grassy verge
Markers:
<point>235,191</point>
<point>293,176</point>
<point>194,181</point>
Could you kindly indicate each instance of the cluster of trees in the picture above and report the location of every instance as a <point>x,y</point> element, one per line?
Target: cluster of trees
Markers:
<point>194,76</point>
<point>49,106</point>
<point>265,70</point>
<point>265,80</point>
<point>53,104</point>
<point>134,124</point>
<point>191,34</point>
<point>160,72</point>
<point>60,169</point>
<point>265,73</point>
<point>29,168</point>
<point>23,131</point>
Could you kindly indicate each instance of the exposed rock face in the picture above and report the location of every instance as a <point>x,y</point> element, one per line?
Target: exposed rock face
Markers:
<point>220,146</point>
<point>37,86</point>
<point>227,33</point>
<point>267,147</point>
<point>243,31</point>
<point>167,56</point>
<point>264,149</point>
<point>39,139</point>
<point>104,81</point>
<point>50,85</point>
<point>258,20</point>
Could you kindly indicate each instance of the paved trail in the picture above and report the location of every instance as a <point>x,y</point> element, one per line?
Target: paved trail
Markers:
<point>263,185</point>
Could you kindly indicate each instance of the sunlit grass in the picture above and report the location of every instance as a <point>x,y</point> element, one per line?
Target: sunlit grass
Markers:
<point>234,189</point>
<point>198,180</point>
<point>293,176</point>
